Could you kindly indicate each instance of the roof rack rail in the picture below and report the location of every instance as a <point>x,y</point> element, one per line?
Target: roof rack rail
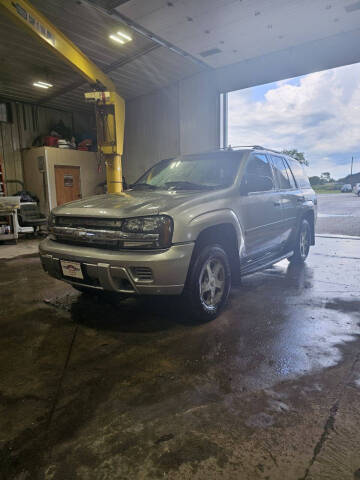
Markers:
<point>255,147</point>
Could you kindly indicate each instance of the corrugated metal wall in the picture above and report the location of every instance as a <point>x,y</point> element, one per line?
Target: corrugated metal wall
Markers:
<point>28,122</point>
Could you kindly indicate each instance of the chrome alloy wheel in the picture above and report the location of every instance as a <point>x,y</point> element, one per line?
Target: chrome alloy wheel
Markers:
<point>212,283</point>
<point>304,240</point>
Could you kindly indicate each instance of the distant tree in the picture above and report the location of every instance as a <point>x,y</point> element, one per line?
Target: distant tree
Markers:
<point>315,180</point>
<point>299,156</point>
<point>325,177</point>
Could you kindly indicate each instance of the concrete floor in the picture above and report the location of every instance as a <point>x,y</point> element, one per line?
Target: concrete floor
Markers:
<point>91,389</point>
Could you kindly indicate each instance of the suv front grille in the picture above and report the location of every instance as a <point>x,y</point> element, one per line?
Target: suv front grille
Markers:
<point>98,232</point>
<point>89,222</point>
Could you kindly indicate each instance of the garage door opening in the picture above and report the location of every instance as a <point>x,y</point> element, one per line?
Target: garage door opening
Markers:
<point>317,114</point>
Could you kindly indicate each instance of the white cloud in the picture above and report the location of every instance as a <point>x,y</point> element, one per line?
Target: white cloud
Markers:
<point>319,116</point>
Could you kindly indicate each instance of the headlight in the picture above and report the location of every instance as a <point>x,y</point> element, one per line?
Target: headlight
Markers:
<point>148,232</point>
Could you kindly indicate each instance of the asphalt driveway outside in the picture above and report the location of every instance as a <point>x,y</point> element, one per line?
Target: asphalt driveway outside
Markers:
<point>339,214</point>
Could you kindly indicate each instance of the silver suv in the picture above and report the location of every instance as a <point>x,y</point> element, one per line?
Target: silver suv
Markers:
<point>189,226</point>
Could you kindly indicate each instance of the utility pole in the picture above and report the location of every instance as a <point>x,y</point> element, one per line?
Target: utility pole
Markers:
<point>352,163</point>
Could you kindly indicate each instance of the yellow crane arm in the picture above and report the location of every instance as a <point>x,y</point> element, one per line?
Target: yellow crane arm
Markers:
<point>110,107</point>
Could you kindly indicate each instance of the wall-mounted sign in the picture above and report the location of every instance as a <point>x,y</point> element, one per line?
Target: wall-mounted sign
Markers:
<point>68,180</point>
<point>35,23</point>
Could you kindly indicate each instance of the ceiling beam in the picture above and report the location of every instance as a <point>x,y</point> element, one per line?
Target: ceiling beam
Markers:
<point>107,69</point>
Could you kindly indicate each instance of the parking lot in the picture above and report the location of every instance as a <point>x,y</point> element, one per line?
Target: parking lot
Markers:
<point>270,389</point>
<point>339,214</point>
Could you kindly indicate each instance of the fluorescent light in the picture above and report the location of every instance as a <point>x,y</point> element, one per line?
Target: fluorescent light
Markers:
<point>40,85</point>
<point>116,39</point>
<point>45,83</point>
<point>124,35</point>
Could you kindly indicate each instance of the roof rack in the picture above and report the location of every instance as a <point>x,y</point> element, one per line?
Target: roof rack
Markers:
<point>254,147</point>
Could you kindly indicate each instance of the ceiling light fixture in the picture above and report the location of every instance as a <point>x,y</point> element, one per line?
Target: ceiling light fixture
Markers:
<point>116,39</point>
<point>125,35</point>
<point>41,84</point>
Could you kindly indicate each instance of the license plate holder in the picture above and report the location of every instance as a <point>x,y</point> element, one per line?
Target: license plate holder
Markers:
<point>71,269</point>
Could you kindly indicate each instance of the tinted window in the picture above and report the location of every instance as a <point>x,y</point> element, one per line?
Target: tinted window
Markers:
<point>281,173</point>
<point>258,176</point>
<point>299,173</point>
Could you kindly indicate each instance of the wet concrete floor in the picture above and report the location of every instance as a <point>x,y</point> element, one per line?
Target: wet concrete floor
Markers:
<point>94,389</point>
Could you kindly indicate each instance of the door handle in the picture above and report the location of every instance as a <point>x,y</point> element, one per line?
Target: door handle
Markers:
<point>277,203</point>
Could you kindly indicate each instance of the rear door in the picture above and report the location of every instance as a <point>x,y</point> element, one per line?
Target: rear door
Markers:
<point>290,196</point>
<point>259,209</point>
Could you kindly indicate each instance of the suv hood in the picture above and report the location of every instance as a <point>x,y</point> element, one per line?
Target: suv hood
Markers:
<point>127,204</point>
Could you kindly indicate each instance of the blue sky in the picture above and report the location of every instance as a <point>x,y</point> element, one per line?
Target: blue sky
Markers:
<point>319,114</point>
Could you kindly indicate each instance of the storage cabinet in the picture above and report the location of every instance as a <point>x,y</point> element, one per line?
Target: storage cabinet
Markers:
<point>58,175</point>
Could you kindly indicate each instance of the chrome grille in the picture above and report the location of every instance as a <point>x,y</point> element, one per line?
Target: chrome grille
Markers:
<point>98,232</point>
<point>89,222</point>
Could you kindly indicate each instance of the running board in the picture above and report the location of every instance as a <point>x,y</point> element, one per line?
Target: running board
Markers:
<point>261,266</point>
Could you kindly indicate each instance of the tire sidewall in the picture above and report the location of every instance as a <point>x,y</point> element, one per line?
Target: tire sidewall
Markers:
<point>192,289</point>
<point>297,257</point>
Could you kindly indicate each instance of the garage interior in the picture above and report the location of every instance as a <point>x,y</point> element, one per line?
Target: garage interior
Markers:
<point>134,389</point>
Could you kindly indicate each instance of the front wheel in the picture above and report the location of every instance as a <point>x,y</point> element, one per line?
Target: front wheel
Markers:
<point>302,243</point>
<point>208,284</point>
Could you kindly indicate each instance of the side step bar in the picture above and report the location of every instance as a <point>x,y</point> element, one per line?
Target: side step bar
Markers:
<point>261,266</point>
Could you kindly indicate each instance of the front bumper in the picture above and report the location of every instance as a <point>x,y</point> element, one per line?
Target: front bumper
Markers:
<point>160,272</point>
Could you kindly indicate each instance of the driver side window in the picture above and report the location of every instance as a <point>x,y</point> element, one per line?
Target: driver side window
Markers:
<point>258,175</point>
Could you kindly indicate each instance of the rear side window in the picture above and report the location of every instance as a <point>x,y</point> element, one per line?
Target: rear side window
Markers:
<point>299,173</point>
<point>258,176</point>
<point>281,172</point>
<point>259,165</point>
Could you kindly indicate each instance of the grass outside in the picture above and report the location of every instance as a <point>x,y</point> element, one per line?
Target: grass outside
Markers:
<point>320,189</point>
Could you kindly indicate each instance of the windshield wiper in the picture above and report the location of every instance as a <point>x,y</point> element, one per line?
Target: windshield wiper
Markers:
<point>141,185</point>
<point>180,185</point>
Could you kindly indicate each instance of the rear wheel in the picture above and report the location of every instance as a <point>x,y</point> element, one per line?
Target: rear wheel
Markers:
<point>208,284</point>
<point>302,243</point>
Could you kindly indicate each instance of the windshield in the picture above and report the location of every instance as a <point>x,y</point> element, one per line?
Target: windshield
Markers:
<point>196,172</point>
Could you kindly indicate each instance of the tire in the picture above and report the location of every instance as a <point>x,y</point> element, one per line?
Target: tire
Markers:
<point>358,194</point>
<point>302,243</point>
<point>208,283</point>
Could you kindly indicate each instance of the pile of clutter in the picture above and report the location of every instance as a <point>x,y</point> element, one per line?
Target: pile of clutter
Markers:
<point>61,136</point>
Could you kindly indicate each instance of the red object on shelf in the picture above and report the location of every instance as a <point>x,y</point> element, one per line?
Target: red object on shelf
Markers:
<point>51,141</point>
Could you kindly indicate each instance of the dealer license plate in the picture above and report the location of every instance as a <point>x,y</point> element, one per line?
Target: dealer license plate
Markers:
<point>71,269</point>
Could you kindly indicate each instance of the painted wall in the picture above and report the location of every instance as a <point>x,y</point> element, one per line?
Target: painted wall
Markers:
<point>182,118</point>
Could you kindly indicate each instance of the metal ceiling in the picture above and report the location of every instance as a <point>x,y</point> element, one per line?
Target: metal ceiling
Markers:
<point>137,67</point>
<point>224,32</point>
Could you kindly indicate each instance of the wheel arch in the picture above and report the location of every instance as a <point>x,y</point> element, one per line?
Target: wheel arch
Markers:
<point>226,236</point>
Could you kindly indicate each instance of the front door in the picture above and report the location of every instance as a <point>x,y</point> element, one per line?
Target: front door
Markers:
<point>260,208</point>
<point>67,183</point>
